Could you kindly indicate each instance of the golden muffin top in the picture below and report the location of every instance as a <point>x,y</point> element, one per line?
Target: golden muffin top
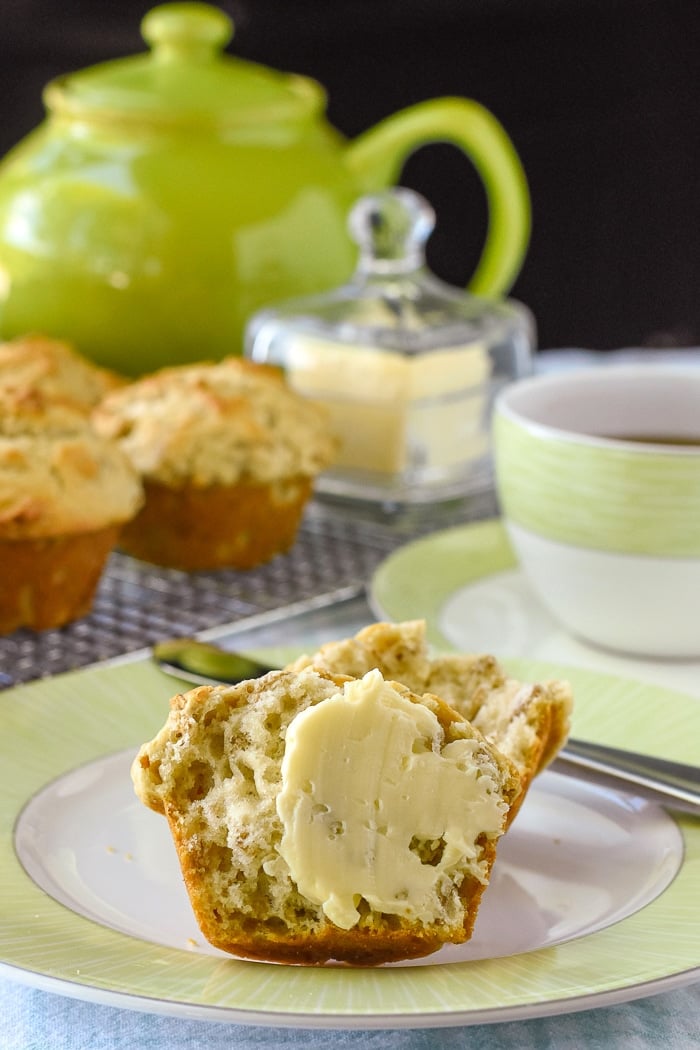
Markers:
<point>217,424</point>
<point>57,475</point>
<point>35,363</point>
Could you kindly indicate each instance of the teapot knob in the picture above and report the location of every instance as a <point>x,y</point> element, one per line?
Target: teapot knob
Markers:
<point>391,229</point>
<point>186,30</point>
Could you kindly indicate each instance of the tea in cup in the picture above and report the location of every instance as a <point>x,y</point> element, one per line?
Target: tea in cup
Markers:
<point>598,477</point>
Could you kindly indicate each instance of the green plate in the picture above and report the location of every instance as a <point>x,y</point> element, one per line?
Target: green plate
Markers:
<point>66,726</point>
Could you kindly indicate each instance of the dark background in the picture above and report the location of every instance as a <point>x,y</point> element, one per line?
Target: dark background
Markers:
<point>600,97</point>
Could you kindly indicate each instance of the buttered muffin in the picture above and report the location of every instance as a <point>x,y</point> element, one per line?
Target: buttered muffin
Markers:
<point>528,722</point>
<point>319,817</point>
<point>65,494</point>
<point>227,454</point>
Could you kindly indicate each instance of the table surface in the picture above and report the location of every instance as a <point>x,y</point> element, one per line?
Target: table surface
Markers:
<point>138,604</point>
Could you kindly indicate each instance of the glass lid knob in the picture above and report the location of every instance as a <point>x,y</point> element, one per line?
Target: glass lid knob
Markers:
<point>391,229</point>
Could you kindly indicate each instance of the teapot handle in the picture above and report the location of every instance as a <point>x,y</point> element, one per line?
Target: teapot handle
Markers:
<point>377,156</point>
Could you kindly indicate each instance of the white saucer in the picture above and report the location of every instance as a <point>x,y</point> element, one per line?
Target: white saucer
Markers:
<point>466,583</point>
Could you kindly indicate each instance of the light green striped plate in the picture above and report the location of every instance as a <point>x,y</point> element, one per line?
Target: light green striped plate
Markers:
<point>58,725</point>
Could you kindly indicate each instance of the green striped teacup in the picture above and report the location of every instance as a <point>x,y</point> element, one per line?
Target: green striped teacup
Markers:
<point>598,476</point>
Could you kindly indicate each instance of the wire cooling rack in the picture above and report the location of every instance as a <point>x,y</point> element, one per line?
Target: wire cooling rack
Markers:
<point>138,604</point>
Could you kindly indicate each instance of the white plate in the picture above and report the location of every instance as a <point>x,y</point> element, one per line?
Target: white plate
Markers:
<point>577,860</point>
<point>600,891</point>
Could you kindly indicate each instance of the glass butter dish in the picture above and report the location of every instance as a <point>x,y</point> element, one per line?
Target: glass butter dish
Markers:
<point>406,364</point>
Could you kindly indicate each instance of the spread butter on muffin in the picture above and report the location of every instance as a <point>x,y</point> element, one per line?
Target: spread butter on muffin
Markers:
<point>527,722</point>
<point>318,817</point>
<point>227,453</point>
<point>65,493</point>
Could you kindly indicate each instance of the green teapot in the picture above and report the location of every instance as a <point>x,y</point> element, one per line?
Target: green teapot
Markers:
<point>169,195</point>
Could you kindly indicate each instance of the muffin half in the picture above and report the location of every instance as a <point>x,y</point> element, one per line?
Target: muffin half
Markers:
<point>318,817</point>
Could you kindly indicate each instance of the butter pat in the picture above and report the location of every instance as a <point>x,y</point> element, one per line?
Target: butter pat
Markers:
<point>376,806</point>
<point>393,411</point>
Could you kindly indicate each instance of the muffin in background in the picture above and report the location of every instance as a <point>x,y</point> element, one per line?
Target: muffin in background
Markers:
<point>227,453</point>
<point>65,493</point>
<point>35,364</point>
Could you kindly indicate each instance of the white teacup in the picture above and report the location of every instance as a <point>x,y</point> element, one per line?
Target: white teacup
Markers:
<point>603,506</point>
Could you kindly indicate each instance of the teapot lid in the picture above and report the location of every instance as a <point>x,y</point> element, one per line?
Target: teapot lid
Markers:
<point>185,78</point>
